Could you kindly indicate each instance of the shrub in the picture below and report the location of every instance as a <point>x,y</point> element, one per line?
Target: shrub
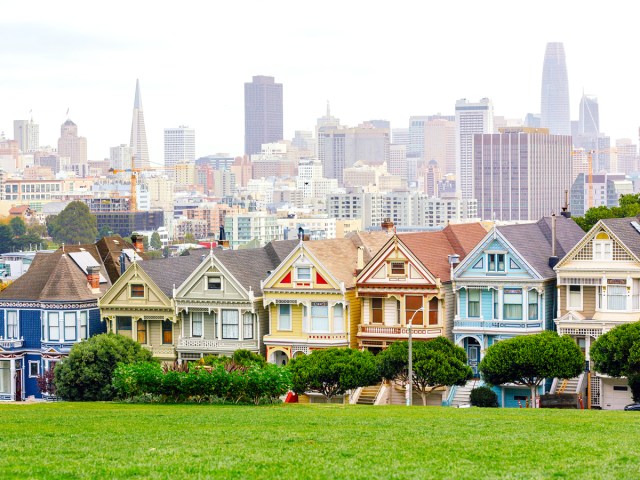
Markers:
<point>484,397</point>
<point>46,383</point>
<point>134,379</point>
<point>87,373</point>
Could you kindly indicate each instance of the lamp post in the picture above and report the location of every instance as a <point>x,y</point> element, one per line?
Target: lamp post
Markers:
<point>409,394</point>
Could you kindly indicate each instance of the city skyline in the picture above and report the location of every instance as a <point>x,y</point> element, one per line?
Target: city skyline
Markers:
<point>90,69</point>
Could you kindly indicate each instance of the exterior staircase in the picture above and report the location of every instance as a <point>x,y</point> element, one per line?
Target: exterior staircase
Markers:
<point>567,385</point>
<point>368,395</point>
<point>463,393</point>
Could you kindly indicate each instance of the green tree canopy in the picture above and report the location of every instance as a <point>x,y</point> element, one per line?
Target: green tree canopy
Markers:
<point>18,227</point>
<point>333,371</point>
<point>75,224</point>
<point>617,353</point>
<point>436,363</point>
<point>629,206</point>
<point>189,238</point>
<point>529,359</point>
<point>86,374</point>
<point>6,238</point>
<point>156,243</point>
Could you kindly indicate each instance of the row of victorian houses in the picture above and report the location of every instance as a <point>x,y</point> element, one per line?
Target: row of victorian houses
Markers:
<point>474,285</point>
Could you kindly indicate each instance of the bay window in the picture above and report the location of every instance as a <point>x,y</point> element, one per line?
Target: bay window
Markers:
<point>53,320</point>
<point>615,298</point>
<point>377,310</point>
<point>247,326</point>
<point>167,332</point>
<point>513,304</point>
<point>142,331</point>
<point>5,376</point>
<point>433,311</point>
<point>230,328</point>
<point>574,297</point>
<point>413,312</point>
<point>284,317</point>
<point>196,323</point>
<point>70,326</point>
<point>319,317</point>
<point>83,324</point>
<point>338,318</point>
<point>473,303</point>
<point>12,324</point>
<point>533,304</point>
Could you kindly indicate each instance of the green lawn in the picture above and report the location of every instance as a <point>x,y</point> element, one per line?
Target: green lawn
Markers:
<point>110,440</point>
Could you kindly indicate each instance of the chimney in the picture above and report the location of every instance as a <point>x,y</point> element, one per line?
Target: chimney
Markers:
<point>565,210</point>
<point>553,259</point>
<point>300,233</point>
<point>137,243</point>
<point>123,262</point>
<point>222,236</point>
<point>360,265</point>
<point>93,277</point>
<point>387,225</point>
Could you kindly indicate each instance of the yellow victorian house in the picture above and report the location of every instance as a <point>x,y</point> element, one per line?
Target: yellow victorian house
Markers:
<point>311,297</point>
<point>140,303</point>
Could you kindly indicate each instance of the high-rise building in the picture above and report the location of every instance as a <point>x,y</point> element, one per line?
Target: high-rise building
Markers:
<point>120,157</point>
<point>138,133</point>
<point>554,108</point>
<point>27,134</point>
<point>440,144</point>
<point>627,153</point>
<point>521,173</point>
<point>179,145</point>
<point>589,120</point>
<point>72,146</point>
<point>471,119</point>
<point>262,113</point>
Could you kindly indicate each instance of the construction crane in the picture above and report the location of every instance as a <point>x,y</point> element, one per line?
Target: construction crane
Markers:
<point>133,198</point>
<point>590,154</point>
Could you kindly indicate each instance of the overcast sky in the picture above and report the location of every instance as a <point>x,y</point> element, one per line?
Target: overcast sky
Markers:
<point>372,60</point>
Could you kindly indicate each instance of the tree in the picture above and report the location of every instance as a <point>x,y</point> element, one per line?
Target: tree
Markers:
<point>28,241</point>
<point>629,206</point>
<point>333,371</point>
<point>86,374</point>
<point>529,359</point>
<point>36,228</point>
<point>18,227</point>
<point>189,238</point>
<point>437,363</point>
<point>6,238</point>
<point>75,224</point>
<point>105,231</point>
<point>156,243</point>
<point>617,353</point>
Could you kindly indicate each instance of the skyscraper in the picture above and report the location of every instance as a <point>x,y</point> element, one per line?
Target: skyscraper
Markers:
<point>589,120</point>
<point>179,145</point>
<point>262,113</point>
<point>138,141</point>
<point>72,146</point>
<point>27,134</point>
<point>554,109</point>
<point>471,118</point>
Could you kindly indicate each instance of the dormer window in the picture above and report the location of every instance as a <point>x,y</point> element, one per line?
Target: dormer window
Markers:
<point>602,247</point>
<point>214,282</point>
<point>137,291</point>
<point>496,262</point>
<point>398,268</point>
<point>303,274</point>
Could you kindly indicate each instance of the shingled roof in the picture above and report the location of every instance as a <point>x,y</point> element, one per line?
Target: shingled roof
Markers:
<point>622,228</point>
<point>109,249</point>
<point>433,248</point>
<point>169,272</point>
<point>533,241</point>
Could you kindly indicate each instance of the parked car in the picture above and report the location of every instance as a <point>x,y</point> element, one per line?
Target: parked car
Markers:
<point>633,406</point>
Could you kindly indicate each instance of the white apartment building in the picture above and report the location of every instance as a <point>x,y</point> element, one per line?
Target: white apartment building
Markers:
<point>367,207</point>
<point>120,157</point>
<point>258,227</point>
<point>318,227</point>
<point>179,145</point>
<point>27,134</point>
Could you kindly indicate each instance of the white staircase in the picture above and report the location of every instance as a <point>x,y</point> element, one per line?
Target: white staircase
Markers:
<point>568,385</point>
<point>368,395</point>
<point>463,394</point>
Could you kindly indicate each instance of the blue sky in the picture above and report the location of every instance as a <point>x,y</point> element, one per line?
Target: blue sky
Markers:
<point>370,59</point>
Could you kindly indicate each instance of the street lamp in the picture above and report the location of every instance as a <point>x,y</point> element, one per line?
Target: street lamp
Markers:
<point>409,394</point>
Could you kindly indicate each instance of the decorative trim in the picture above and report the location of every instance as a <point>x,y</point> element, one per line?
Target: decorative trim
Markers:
<point>48,306</point>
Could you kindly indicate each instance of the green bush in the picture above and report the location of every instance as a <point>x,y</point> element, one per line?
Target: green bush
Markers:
<point>484,397</point>
<point>87,373</point>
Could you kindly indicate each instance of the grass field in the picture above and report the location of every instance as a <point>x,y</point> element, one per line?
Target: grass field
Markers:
<point>109,440</point>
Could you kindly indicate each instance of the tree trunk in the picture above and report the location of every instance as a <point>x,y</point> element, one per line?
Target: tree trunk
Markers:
<point>533,395</point>
<point>423,395</point>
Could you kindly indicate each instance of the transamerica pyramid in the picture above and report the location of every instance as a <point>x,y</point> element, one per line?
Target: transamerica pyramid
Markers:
<point>138,141</point>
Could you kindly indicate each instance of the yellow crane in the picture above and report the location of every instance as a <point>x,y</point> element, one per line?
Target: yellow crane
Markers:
<point>133,198</point>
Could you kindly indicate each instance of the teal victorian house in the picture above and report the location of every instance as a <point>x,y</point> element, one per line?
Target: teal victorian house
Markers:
<point>507,286</point>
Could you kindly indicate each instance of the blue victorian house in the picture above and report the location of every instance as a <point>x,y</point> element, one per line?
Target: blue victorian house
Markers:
<point>507,286</point>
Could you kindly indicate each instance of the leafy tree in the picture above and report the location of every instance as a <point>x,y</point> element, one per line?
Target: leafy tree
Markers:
<point>617,353</point>
<point>333,371</point>
<point>105,231</point>
<point>36,228</point>
<point>189,238</point>
<point>6,238</point>
<point>529,359</point>
<point>437,363</point>
<point>86,374</point>
<point>75,224</point>
<point>27,241</point>
<point>629,206</point>
<point>156,243</point>
<point>18,227</point>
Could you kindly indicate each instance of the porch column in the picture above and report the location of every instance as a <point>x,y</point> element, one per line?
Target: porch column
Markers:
<point>219,329</point>
<point>13,377</point>
<point>240,325</point>
<point>500,301</point>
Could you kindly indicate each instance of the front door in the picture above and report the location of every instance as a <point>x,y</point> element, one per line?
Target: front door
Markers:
<point>474,358</point>
<point>18,385</point>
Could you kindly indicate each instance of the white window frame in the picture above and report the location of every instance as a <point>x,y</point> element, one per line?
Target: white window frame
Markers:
<point>248,321</point>
<point>75,326</point>
<point>49,315</point>
<point>201,321</point>
<point>237,324</point>
<point>16,327</point>
<point>285,327</point>
<point>479,292</point>
<point>338,320</point>
<point>83,324</point>
<point>580,306</point>
<point>603,250</point>
<point>300,278</point>
<point>313,328</point>
<point>37,364</point>
<point>206,283</point>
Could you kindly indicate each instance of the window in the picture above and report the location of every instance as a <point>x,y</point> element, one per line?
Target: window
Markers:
<point>413,309</point>
<point>230,324</point>
<point>616,297</point>
<point>397,268</point>
<point>137,291</point>
<point>574,297</point>
<point>338,318</point>
<point>533,304</point>
<point>70,326</point>
<point>474,303</point>
<point>284,317</point>
<point>34,369</point>
<point>196,324</point>
<point>319,317</point>
<point>496,307</point>
<point>5,376</point>
<point>247,326</point>
<point>496,262</point>
<point>12,324</point>
<point>376,310</point>
<point>303,273</point>
<point>123,324</point>
<point>513,304</point>
<point>602,247</point>
<point>83,324</point>
<point>214,283</point>
<point>142,331</point>
<point>53,319</point>
<point>433,311</point>
<point>167,332</point>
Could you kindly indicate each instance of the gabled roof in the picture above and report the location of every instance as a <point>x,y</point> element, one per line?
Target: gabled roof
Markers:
<point>533,241</point>
<point>371,241</point>
<point>56,277</point>
<point>433,248</point>
<point>169,272</point>
<point>109,249</point>
<point>625,231</point>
